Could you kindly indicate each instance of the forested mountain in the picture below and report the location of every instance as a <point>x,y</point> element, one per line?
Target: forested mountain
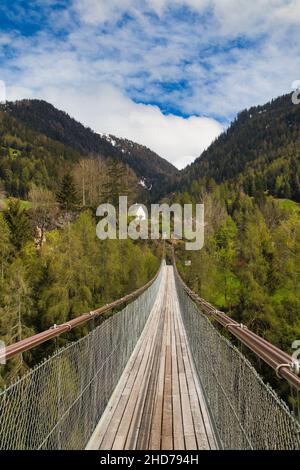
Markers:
<point>27,157</point>
<point>52,265</point>
<point>260,152</point>
<point>137,156</point>
<point>249,263</point>
<point>248,180</point>
<point>71,273</point>
<point>44,119</point>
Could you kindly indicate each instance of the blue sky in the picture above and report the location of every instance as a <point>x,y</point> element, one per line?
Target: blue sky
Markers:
<point>170,74</point>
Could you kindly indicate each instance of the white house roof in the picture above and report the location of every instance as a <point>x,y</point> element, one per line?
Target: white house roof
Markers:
<point>139,211</point>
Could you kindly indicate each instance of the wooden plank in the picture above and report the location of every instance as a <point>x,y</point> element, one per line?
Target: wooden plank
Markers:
<point>158,403</point>
<point>142,385</point>
<point>157,441</point>
<point>120,395</point>
<point>144,438</point>
<point>138,358</point>
<point>129,424</point>
<point>188,425</point>
<point>167,418</point>
<point>178,435</point>
<point>124,401</point>
<point>139,433</point>
<point>156,424</point>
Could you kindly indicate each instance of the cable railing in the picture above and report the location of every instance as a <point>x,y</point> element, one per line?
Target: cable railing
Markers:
<point>281,362</point>
<point>58,403</point>
<point>56,330</point>
<point>247,413</point>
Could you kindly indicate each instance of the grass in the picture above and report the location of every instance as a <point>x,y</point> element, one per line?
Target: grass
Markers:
<point>24,204</point>
<point>289,205</point>
<point>13,152</point>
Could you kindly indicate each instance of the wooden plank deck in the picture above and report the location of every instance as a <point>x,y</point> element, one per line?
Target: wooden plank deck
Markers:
<point>158,403</point>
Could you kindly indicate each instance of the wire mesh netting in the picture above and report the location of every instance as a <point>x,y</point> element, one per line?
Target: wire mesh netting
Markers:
<point>58,404</point>
<point>246,412</point>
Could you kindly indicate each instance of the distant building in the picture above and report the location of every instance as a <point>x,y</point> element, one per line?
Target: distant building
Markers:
<point>139,211</point>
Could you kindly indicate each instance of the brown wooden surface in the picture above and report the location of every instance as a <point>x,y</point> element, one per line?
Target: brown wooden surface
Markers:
<point>158,403</point>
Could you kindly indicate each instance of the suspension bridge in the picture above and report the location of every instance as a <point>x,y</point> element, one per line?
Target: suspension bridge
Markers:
<point>156,375</point>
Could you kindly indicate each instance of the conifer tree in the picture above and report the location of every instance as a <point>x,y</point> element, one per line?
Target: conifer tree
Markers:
<point>117,182</point>
<point>18,223</point>
<point>5,246</point>
<point>67,196</point>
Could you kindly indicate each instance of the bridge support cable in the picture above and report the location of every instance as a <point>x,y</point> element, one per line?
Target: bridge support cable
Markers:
<point>56,330</point>
<point>247,413</point>
<point>281,362</point>
<point>58,403</point>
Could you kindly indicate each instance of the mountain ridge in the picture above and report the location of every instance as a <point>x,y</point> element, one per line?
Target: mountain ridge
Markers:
<point>260,151</point>
<point>44,118</point>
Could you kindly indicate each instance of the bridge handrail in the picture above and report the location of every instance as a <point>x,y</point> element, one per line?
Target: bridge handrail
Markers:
<point>56,330</point>
<point>284,365</point>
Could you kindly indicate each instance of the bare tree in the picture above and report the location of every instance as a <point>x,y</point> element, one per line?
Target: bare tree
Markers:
<point>2,198</point>
<point>89,175</point>
<point>43,212</point>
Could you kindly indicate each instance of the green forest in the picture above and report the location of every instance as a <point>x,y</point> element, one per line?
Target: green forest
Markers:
<point>39,143</point>
<point>259,152</point>
<point>61,270</point>
<point>248,180</point>
<point>249,266</point>
<point>54,268</point>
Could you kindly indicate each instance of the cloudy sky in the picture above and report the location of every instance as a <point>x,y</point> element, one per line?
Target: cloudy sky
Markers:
<point>170,74</point>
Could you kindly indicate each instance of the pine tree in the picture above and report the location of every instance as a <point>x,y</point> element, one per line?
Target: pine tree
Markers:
<point>16,315</point>
<point>5,247</point>
<point>18,223</point>
<point>116,183</point>
<point>67,196</point>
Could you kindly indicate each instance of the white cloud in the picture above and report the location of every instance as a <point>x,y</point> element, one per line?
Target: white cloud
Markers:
<point>232,16</point>
<point>223,75</point>
<point>99,11</point>
<point>240,54</point>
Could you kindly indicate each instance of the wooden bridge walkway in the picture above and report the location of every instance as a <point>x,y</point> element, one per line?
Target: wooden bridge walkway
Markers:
<point>158,403</point>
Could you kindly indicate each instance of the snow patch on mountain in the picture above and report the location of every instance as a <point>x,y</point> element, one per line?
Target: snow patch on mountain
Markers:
<point>145,184</point>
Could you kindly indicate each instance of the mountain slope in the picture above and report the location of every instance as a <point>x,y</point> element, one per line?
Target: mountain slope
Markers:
<point>59,126</point>
<point>260,151</point>
<point>27,157</point>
